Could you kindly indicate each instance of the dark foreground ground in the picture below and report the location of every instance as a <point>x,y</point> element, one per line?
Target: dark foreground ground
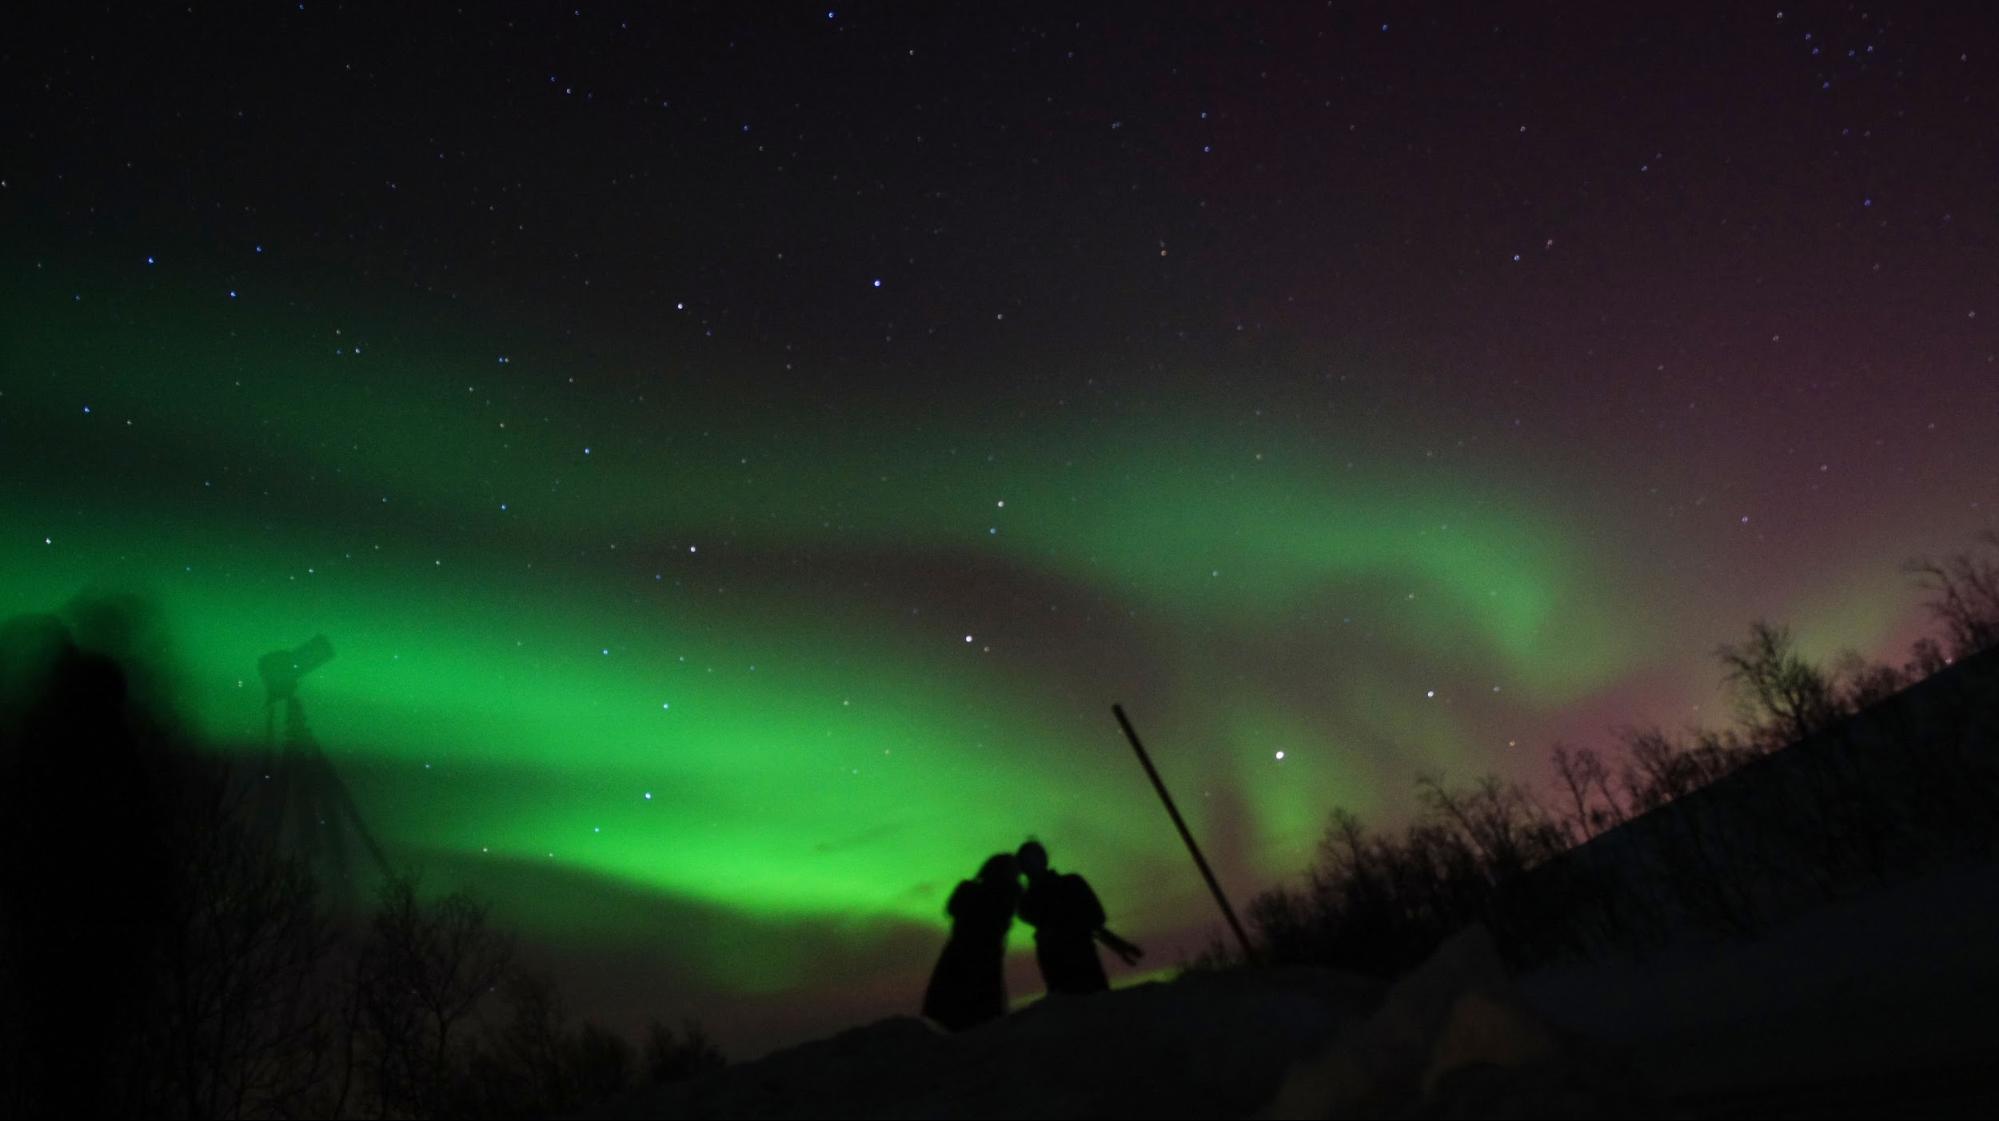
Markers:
<point>1884,1005</point>
<point>1880,1006</point>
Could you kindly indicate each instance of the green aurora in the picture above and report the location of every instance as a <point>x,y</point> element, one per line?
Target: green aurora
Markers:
<point>739,454</point>
<point>806,682</point>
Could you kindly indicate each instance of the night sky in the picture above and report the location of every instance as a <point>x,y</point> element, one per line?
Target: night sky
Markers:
<point>740,452</point>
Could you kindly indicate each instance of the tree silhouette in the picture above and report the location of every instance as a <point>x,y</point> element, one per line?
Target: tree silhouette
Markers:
<point>423,970</point>
<point>247,1024</point>
<point>1782,697</point>
<point>1964,594</point>
<point>672,1058</point>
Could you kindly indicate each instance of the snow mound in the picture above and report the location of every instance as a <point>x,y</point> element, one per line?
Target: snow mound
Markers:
<point>1452,1038</point>
<point>1206,1045</point>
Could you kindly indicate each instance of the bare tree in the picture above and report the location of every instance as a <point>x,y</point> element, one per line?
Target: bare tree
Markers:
<point>602,1063</point>
<point>1655,770</point>
<point>1592,805</point>
<point>422,974</point>
<point>1500,821</point>
<point>1782,696</point>
<point>671,1058</point>
<point>1964,594</point>
<point>1926,658</point>
<point>1863,684</point>
<point>246,1024</point>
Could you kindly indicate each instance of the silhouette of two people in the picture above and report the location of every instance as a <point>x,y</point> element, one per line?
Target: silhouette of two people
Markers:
<point>968,987</point>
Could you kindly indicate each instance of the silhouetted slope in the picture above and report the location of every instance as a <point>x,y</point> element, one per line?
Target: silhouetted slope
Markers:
<point>1895,791</point>
<point>1870,1004</point>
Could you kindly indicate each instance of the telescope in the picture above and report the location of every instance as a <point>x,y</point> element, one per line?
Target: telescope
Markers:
<point>307,805</point>
<point>281,669</point>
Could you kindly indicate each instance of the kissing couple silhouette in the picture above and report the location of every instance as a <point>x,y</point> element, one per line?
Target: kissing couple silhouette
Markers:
<point>968,986</point>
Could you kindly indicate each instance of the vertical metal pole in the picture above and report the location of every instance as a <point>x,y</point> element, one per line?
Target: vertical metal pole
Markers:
<point>1200,861</point>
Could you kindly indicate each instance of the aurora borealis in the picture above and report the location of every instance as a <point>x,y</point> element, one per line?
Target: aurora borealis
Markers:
<point>740,457</point>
